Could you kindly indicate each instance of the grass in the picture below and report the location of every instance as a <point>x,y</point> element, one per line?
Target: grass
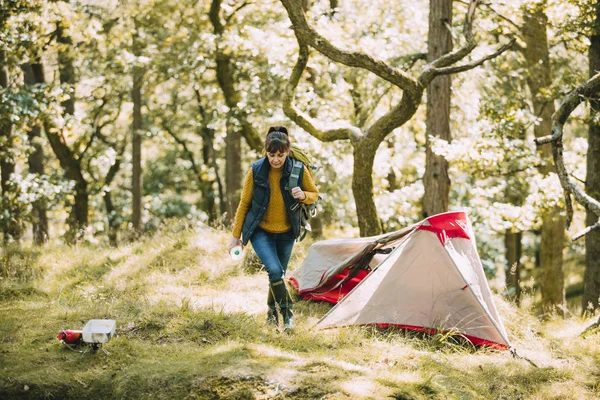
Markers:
<point>191,325</point>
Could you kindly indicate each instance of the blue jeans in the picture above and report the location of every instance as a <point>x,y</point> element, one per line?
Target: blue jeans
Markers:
<point>274,250</point>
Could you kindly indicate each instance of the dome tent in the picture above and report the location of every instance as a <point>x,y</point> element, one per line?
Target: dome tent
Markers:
<point>424,277</point>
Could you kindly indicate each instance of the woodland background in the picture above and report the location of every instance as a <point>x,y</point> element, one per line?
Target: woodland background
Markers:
<point>122,119</point>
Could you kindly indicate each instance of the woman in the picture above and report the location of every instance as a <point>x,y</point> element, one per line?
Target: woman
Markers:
<point>269,218</point>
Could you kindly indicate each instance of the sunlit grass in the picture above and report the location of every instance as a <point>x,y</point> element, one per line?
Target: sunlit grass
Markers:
<point>191,323</point>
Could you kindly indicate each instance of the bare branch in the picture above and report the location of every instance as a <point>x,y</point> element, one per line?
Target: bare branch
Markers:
<point>238,8</point>
<point>408,61</point>
<point>568,105</point>
<point>502,17</point>
<point>99,127</point>
<point>183,144</point>
<point>474,64</point>
<point>303,120</point>
<point>587,230</point>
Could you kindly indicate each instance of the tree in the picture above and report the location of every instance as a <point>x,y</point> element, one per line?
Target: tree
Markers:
<point>136,133</point>
<point>33,74</point>
<point>365,142</point>
<point>69,161</point>
<point>225,76</point>
<point>11,225</point>
<point>585,91</point>
<point>539,79</point>
<point>436,180</point>
<point>591,288</point>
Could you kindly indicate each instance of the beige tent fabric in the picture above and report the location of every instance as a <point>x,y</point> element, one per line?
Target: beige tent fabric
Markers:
<point>329,257</point>
<point>424,284</point>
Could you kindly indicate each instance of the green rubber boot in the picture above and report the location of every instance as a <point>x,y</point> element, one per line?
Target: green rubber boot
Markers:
<point>284,302</point>
<point>272,317</point>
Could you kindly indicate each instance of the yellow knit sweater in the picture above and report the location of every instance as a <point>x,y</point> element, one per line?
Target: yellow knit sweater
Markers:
<point>275,219</point>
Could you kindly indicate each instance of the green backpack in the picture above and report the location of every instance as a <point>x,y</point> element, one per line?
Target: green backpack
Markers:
<point>300,159</point>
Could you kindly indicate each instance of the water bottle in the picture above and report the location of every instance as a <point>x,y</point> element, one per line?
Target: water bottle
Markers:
<point>236,253</point>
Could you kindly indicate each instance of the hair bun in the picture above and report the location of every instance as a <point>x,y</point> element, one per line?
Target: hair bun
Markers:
<point>278,128</point>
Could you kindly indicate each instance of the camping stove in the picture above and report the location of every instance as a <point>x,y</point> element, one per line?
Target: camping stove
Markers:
<point>95,333</point>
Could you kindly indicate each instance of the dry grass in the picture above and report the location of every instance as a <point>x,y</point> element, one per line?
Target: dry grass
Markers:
<point>191,325</point>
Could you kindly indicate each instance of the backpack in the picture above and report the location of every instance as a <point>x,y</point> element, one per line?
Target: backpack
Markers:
<point>300,159</point>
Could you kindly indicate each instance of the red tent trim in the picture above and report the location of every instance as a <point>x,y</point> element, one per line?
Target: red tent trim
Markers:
<point>448,226</point>
<point>327,292</point>
<point>473,339</point>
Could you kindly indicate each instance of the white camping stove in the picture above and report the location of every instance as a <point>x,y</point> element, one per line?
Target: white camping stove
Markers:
<point>97,332</point>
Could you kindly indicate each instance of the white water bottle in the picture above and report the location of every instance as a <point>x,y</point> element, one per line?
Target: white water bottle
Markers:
<point>236,253</point>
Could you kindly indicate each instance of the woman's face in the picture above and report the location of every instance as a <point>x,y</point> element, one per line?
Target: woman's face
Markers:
<point>277,159</point>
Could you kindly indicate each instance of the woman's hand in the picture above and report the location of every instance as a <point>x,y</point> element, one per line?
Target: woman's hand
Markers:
<point>234,242</point>
<point>298,194</point>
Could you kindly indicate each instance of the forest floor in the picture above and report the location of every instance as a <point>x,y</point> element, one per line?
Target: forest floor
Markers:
<point>191,325</point>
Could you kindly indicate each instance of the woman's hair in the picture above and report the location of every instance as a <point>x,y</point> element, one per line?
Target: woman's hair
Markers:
<point>277,140</point>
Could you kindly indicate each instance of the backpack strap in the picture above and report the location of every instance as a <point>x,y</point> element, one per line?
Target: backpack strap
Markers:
<point>297,169</point>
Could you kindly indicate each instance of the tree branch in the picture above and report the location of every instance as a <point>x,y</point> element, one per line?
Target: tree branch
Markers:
<point>311,37</point>
<point>470,43</point>
<point>442,65</point>
<point>587,230</point>
<point>474,64</point>
<point>238,8</point>
<point>568,105</point>
<point>408,61</point>
<point>98,127</point>
<point>304,120</point>
<point>183,144</point>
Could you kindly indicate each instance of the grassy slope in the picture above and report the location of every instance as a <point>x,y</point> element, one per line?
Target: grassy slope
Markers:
<point>191,325</point>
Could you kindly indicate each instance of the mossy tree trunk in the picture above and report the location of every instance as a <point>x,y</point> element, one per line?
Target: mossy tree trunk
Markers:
<point>362,188</point>
<point>539,79</point>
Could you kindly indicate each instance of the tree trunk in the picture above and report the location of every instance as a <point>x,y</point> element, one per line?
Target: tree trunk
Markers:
<point>136,142</point>
<point>210,161</point>
<point>539,81</point>
<point>316,225</point>
<point>111,212</point>
<point>225,77</point>
<point>512,242</point>
<point>362,189</point>
<point>34,74</point>
<point>591,283</point>
<point>436,180</point>
<point>78,219</point>
<point>233,174</point>
<point>208,157</point>
<point>11,226</point>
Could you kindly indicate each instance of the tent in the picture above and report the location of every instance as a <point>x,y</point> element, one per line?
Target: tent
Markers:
<point>426,277</point>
